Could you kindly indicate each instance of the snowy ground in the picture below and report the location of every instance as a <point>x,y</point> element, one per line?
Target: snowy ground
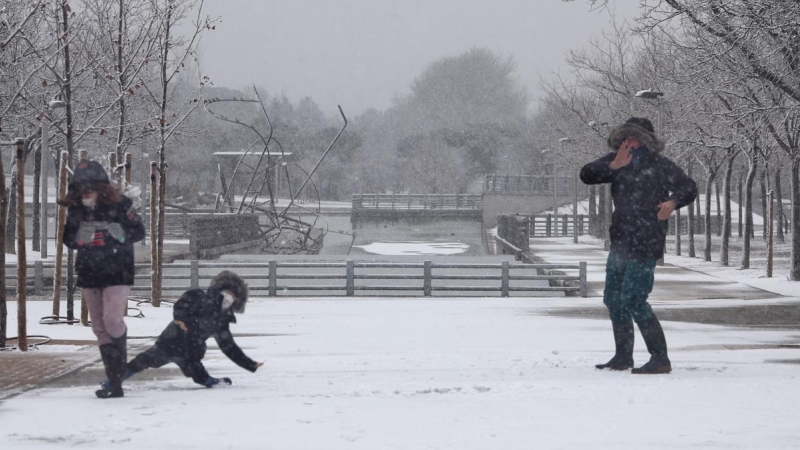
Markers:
<point>428,374</point>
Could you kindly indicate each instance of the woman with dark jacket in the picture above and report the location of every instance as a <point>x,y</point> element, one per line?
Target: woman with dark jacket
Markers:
<point>102,225</point>
<point>197,316</point>
<point>646,188</point>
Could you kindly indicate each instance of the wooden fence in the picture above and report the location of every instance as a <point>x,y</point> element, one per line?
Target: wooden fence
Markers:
<point>347,278</point>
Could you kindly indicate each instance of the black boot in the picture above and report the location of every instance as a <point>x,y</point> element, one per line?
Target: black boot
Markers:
<point>656,342</point>
<point>623,340</point>
<point>115,359</point>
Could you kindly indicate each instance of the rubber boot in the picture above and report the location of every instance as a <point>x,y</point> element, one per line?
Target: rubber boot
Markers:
<point>623,340</point>
<point>115,359</point>
<point>656,343</point>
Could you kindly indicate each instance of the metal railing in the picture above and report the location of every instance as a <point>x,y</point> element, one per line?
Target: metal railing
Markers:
<point>418,201</point>
<point>528,184</point>
<point>546,225</point>
<point>347,278</point>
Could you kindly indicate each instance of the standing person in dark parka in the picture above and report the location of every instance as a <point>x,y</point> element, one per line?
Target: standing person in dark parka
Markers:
<point>102,225</point>
<point>646,188</point>
<point>198,315</point>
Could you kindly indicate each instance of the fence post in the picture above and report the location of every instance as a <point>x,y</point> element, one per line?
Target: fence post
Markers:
<point>194,274</point>
<point>38,281</point>
<point>273,278</point>
<point>584,289</point>
<point>549,222</point>
<point>350,283</point>
<point>504,279</point>
<point>426,282</point>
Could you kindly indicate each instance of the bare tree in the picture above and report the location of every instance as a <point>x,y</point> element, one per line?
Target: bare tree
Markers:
<point>170,105</point>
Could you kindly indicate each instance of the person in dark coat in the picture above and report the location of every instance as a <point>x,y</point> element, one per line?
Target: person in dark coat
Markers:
<point>102,225</point>
<point>646,188</point>
<point>198,315</point>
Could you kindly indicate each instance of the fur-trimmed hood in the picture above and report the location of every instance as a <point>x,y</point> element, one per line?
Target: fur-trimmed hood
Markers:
<point>631,130</point>
<point>229,281</point>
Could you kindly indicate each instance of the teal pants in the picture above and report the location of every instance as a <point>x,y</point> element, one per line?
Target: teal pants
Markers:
<point>628,284</point>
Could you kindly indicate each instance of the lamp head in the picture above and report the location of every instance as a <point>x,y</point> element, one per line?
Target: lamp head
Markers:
<point>649,93</point>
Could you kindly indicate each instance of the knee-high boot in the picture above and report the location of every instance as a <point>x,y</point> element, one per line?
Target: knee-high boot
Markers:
<point>623,341</point>
<point>115,359</point>
<point>656,343</point>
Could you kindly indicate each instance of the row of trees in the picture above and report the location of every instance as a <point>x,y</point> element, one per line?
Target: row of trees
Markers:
<point>728,72</point>
<point>104,76</point>
<point>129,82</point>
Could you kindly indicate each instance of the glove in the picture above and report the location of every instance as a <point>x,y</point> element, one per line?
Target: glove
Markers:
<point>116,231</point>
<point>86,232</point>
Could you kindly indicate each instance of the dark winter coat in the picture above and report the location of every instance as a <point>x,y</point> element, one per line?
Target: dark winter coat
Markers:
<point>637,189</point>
<point>104,237</point>
<point>203,316</point>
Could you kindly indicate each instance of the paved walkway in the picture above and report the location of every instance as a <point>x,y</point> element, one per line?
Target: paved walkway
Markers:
<point>679,294</point>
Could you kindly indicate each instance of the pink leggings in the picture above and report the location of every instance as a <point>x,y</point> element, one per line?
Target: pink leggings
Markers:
<point>107,311</point>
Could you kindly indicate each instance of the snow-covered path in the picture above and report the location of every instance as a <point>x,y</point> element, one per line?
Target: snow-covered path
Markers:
<point>431,374</point>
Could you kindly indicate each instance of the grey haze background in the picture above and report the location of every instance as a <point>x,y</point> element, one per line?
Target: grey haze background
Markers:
<point>362,53</point>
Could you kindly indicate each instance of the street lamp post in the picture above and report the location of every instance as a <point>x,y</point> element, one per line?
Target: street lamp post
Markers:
<point>45,153</point>
<point>653,94</point>
<point>564,141</point>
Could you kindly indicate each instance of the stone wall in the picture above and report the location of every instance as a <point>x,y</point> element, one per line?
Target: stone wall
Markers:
<point>213,231</point>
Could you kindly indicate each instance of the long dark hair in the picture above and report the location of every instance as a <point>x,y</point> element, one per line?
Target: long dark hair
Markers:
<point>106,193</point>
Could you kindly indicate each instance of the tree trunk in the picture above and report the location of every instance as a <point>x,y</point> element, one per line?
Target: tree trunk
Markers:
<point>37,174</point>
<point>697,208</point>
<point>162,208</point>
<point>155,293</point>
<point>719,206</point>
<point>601,211</point>
<point>764,201</point>
<point>11,220</point>
<point>120,41</point>
<point>779,198</point>
<point>690,219</point>
<point>726,219</point>
<point>3,304</point>
<point>60,221</point>
<point>748,207</point>
<point>794,272</point>
<point>66,89</point>
<point>709,184</point>
<point>593,211</point>
<point>741,188</point>
<point>678,232</point>
<point>22,262</point>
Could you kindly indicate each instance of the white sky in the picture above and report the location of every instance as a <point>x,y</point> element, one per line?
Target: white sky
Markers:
<point>361,53</point>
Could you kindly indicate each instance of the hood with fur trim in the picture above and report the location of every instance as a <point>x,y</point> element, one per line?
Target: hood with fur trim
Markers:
<point>631,130</point>
<point>229,281</point>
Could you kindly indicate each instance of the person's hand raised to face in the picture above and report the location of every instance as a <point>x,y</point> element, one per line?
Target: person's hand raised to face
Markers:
<point>624,156</point>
